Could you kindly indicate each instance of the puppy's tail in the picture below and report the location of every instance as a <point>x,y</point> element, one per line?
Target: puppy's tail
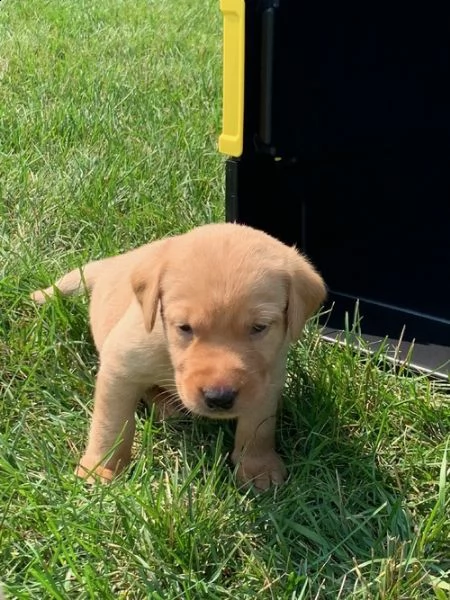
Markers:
<point>72,283</point>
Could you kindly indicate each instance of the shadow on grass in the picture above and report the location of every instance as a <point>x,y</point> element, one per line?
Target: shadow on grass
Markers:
<point>353,433</point>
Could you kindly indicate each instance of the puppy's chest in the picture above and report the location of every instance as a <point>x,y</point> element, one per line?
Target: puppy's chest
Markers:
<point>149,363</point>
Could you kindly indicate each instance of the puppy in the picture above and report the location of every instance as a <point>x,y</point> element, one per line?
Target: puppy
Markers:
<point>208,316</point>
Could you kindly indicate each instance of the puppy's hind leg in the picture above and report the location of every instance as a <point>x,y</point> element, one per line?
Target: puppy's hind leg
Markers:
<point>165,404</point>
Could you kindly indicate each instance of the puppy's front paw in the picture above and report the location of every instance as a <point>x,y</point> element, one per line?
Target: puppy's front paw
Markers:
<point>94,473</point>
<point>262,471</point>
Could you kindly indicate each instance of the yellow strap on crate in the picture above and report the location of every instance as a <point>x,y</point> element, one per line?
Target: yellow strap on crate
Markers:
<point>231,139</point>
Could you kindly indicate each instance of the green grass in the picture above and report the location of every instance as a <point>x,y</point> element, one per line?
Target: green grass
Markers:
<point>109,117</point>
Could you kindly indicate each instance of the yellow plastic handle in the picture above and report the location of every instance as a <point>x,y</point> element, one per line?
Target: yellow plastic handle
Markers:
<point>231,139</point>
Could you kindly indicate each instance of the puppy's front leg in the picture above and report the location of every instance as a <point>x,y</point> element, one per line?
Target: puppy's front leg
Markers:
<point>254,450</point>
<point>112,428</point>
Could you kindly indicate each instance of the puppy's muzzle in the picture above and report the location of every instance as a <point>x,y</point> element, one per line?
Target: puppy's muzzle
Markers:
<point>219,398</point>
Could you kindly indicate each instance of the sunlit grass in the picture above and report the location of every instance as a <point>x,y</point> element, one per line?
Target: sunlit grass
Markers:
<point>109,118</point>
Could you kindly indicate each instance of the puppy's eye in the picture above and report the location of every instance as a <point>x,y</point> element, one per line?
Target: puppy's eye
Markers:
<point>258,328</point>
<point>185,328</point>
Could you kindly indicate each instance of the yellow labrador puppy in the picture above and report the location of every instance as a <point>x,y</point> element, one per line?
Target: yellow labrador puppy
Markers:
<point>210,314</point>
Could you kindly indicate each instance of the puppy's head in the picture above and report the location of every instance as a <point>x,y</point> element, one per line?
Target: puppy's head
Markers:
<point>231,300</point>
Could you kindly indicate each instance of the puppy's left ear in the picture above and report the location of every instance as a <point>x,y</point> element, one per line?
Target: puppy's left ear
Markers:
<point>307,292</point>
<point>146,281</point>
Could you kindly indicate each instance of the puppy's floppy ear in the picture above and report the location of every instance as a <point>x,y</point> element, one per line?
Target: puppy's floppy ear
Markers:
<point>146,282</point>
<point>307,292</point>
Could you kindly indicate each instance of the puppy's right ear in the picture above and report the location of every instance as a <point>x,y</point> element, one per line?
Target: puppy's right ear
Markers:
<point>146,283</point>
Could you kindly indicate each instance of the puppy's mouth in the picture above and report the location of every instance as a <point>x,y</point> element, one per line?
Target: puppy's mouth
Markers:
<point>213,414</point>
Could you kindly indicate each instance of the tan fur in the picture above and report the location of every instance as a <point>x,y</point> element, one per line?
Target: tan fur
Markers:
<point>220,280</point>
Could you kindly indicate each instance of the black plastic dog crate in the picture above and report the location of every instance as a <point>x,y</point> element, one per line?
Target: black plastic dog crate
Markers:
<point>341,145</point>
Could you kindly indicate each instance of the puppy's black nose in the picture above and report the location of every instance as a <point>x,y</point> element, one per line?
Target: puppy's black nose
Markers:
<point>219,398</point>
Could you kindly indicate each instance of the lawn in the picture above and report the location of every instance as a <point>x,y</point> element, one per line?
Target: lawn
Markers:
<point>110,112</point>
